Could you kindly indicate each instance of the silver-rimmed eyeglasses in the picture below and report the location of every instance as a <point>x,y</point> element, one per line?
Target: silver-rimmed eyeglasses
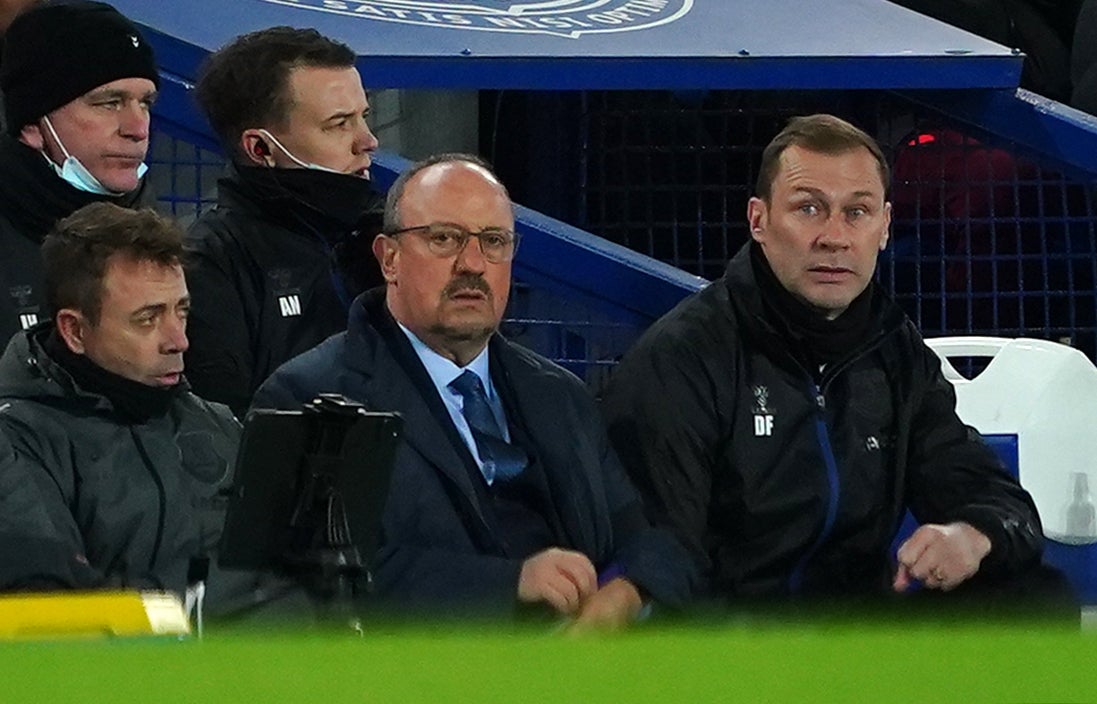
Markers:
<point>447,239</point>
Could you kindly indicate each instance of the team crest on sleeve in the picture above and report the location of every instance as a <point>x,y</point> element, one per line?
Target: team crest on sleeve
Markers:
<point>566,18</point>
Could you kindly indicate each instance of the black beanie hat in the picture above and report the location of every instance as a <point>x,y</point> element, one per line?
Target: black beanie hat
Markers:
<point>57,51</point>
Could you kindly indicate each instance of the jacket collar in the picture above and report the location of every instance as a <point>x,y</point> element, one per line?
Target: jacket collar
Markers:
<point>378,351</point>
<point>259,192</point>
<point>27,371</point>
<point>745,296</point>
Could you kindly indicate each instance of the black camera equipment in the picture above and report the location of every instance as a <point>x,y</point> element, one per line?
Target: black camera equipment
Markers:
<point>309,493</point>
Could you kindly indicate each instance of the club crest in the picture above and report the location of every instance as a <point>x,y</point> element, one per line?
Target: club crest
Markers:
<point>565,18</point>
<point>761,399</point>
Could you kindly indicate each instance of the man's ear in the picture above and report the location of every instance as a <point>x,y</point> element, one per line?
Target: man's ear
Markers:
<point>255,148</point>
<point>71,326</point>
<point>386,250</point>
<point>757,217</point>
<point>31,135</point>
<point>887,226</point>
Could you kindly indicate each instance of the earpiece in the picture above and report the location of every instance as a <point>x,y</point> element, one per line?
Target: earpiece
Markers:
<point>261,148</point>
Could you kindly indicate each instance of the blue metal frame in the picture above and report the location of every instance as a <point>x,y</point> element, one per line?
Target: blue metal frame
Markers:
<point>177,114</point>
<point>1037,123</point>
<point>731,72</point>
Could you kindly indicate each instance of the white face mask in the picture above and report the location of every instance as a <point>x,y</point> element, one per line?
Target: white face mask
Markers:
<point>76,174</point>
<point>295,160</point>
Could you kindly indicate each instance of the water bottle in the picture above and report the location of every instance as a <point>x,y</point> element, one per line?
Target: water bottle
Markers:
<point>1081,516</point>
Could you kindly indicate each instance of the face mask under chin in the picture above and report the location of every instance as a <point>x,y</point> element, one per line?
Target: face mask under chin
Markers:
<point>77,175</point>
<point>74,173</point>
<point>311,166</point>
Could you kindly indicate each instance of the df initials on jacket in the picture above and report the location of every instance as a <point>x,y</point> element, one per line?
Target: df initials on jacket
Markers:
<point>782,485</point>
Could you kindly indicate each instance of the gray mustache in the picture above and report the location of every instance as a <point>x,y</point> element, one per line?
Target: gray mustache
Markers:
<point>465,282</point>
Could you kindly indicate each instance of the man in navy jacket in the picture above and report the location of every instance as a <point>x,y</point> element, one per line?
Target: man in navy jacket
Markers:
<point>506,491</point>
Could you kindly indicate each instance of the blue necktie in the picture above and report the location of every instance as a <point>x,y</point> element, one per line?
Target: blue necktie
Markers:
<point>500,459</point>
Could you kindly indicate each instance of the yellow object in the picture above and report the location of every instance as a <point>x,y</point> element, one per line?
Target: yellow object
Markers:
<point>90,614</point>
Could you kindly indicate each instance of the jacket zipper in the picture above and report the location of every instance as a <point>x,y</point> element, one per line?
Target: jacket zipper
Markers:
<point>822,434</point>
<point>161,495</point>
<point>334,276</point>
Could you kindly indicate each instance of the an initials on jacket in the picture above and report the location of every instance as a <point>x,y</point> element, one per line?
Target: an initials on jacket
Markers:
<point>283,287</point>
<point>763,414</point>
<point>290,305</point>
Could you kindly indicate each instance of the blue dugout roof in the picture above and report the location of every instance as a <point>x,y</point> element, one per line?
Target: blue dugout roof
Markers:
<point>589,44</point>
<point>626,44</point>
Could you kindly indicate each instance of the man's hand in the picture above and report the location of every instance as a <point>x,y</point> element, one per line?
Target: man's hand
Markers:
<point>940,556</point>
<point>611,608</point>
<point>563,578</point>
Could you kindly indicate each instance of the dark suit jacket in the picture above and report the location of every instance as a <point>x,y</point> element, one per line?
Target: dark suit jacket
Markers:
<point>438,545</point>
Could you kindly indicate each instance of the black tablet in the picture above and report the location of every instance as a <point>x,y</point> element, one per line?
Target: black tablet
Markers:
<point>308,481</point>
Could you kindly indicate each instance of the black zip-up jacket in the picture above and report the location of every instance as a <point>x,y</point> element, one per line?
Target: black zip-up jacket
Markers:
<point>268,279</point>
<point>32,198</point>
<point>781,485</point>
<point>88,500</point>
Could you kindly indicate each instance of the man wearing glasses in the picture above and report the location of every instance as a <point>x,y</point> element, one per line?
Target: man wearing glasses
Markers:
<point>506,495</point>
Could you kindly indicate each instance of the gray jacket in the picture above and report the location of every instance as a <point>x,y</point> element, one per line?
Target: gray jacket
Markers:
<point>88,500</point>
